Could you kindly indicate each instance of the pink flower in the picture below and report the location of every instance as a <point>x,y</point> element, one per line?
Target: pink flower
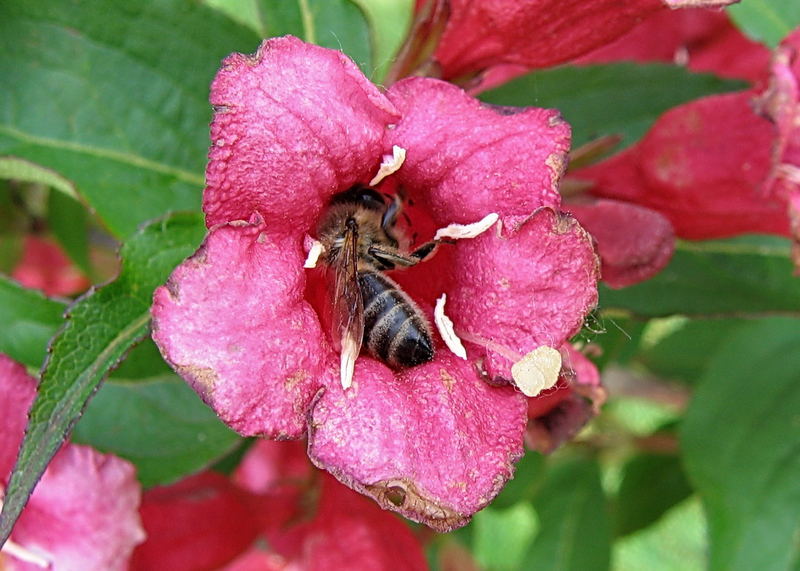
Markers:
<point>277,512</point>
<point>241,319</point>
<point>474,40</point>
<point>44,266</point>
<point>82,515</point>
<point>719,166</point>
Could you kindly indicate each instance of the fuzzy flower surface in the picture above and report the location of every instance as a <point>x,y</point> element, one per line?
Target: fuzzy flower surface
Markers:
<point>243,321</point>
<point>83,515</point>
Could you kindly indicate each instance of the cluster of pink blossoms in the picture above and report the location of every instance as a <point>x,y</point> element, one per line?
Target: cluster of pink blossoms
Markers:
<point>296,124</point>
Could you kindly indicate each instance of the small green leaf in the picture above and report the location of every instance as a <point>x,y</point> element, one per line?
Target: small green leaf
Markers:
<point>29,321</point>
<point>766,21</point>
<point>651,485</point>
<point>389,22</point>
<point>740,441</point>
<point>161,426</point>
<point>502,536</point>
<point>716,278</point>
<point>676,543</point>
<point>102,326</point>
<point>597,100</point>
<point>574,527</point>
<point>114,97</point>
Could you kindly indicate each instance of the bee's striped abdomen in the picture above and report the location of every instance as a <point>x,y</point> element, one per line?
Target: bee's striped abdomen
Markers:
<point>394,330</point>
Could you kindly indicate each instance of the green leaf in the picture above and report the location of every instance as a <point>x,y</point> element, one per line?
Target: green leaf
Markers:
<point>766,21</point>
<point>651,485</point>
<point>502,536</point>
<point>597,100</point>
<point>676,543</point>
<point>528,476</point>
<point>69,220</point>
<point>716,278</point>
<point>740,440</point>
<point>114,97</point>
<point>29,321</point>
<point>574,528</point>
<point>389,22</point>
<point>161,426</point>
<point>102,326</point>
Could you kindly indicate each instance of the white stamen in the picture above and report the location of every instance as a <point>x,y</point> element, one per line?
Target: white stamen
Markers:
<point>445,326</point>
<point>390,164</point>
<point>537,371</point>
<point>459,231</point>
<point>347,363</point>
<point>314,253</point>
<point>15,550</point>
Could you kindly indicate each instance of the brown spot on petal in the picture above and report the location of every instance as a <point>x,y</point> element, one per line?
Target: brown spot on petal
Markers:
<point>203,378</point>
<point>401,495</point>
<point>448,380</point>
<point>295,378</point>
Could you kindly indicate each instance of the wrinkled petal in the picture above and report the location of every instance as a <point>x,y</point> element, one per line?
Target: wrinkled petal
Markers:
<point>434,443</point>
<point>634,243</point>
<point>558,415</point>
<point>703,165</point>
<point>702,40</point>
<point>83,513</point>
<point>468,159</point>
<point>293,123</point>
<point>17,391</point>
<point>531,285</point>
<point>232,321</point>
<point>202,522</point>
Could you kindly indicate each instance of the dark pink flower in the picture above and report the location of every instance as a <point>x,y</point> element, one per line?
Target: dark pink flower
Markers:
<point>241,319</point>
<point>44,266</point>
<point>478,39</point>
<point>83,513</point>
<point>719,166</point>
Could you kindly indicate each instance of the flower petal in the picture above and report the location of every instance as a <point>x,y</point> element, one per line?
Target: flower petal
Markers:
<point>434,442</point>
<point>469,159</point>
<point>83,513</point>
<point>634,243</point>
<point>201,522</point>
<point>293,123</point>
<point>232,321</point>
<point>17,391</point>
<point>530,286</point>
<point>703,165</point>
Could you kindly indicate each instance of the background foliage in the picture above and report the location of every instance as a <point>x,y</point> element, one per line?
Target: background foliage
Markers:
<point>104,132</point>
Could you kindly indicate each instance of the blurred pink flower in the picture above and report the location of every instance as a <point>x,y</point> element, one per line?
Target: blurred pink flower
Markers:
<point>240,320</point>
<point>45,267</point>
<point>82,516</point>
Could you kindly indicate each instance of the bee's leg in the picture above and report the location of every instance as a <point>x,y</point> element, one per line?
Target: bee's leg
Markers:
<point>393,258</point>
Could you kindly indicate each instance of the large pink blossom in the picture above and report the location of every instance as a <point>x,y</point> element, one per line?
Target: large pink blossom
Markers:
<point>82,516</point>
<point>240,320</point>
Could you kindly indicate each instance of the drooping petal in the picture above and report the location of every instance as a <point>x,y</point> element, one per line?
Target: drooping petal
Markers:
<point>702,40</point>
<point>467,159</point>
<point>83,513</point>
<point>703,165</point>
<point>232,321</point>
<point>434,442</point>
<point>293,123</point>
<point>529,286</point>
<point>634,243</point>
<point>201,522</point>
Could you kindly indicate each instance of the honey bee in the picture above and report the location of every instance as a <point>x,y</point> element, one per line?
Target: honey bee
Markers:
<point>361,242</point>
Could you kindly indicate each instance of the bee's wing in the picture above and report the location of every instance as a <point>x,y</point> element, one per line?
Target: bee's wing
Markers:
<point>348,306</point>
